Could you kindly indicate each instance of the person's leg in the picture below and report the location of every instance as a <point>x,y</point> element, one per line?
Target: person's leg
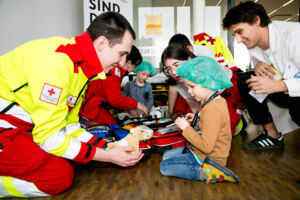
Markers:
<point>180,165</point>
<point>294,109</point>
<point>292,103</point>
<point>282,100</point>
<point>260,114</point>
<point>53,177</point>
<point>214,172</point>
<point>189,166</point>
<point>172,152</point>
<point>28,171</point>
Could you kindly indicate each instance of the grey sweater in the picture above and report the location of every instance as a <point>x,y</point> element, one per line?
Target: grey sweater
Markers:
<point>138,92</point>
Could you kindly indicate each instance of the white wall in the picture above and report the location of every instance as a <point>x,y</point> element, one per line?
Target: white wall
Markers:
<point>241,55</point>
<point>213,21</point>
<point>25,20</point>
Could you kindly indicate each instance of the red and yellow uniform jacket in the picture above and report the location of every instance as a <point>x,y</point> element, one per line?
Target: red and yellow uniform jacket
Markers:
<point>106,91</point>
<point>222,53</point>
<point>47,78</point>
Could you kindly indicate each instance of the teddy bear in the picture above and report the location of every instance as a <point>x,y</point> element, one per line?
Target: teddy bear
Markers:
<point>133,138</point>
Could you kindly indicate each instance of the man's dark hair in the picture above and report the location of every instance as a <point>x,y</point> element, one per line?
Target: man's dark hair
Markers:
<point>246,12</point>
<point>111,25</point>
<point>176,51</point>
<point>135,56</point>
<point>180,38</point>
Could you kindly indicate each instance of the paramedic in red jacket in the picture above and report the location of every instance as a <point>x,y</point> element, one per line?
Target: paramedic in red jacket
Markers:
<point>42,86</point>
<point>105,94</point>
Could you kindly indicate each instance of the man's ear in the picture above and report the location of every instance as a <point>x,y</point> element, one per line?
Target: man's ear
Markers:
<point>128,62</point>
<point>100,43</point>
<point>256,20</point>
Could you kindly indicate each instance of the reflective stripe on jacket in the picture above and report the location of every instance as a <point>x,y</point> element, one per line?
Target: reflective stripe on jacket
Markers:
<point>54,82</point>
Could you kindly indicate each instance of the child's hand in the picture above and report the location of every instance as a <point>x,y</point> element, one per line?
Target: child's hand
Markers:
<point>181,122</point>
<point>190,117</point>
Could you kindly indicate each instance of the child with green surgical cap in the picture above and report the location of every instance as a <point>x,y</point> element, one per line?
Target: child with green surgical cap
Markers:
<point>139,88</point>
<point>206,155</point>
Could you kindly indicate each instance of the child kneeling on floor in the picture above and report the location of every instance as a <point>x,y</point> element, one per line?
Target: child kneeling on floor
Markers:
<point>206,156</point>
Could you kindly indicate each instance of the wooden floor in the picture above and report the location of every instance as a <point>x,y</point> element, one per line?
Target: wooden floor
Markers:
<point>269,174</point>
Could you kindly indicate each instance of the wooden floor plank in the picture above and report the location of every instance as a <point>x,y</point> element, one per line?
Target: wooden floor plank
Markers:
<point>268,174</point>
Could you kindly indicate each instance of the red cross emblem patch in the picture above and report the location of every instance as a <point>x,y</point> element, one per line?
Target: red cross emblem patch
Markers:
<point>71,100</point>
<point>117,72</point>
<point>211,40</point>
<point>50,94</point>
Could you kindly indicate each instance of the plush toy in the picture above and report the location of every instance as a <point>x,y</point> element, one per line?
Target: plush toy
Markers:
<point>133,138</point>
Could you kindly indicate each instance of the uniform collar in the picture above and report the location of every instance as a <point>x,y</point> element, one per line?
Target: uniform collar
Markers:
<point>83,53</point>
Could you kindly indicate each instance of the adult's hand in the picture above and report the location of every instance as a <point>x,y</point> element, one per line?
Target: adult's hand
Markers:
<point>264,85</point>
<point>142,109</point>
<point>134,112</point>
<point>119,156</point>
<point>262,69</point>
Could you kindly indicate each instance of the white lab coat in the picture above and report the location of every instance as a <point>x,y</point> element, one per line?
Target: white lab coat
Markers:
<point>284,53</point>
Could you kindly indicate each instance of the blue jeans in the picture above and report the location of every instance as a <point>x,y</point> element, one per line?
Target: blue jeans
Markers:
<point>180,165</point>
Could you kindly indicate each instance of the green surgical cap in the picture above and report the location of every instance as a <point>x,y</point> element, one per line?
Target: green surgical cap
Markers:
<point>205,71</point>
<point>145,66</point>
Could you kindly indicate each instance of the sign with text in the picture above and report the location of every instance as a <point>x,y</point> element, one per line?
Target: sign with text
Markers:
<point>156,23</point>
<point>153,25</point>
<point>93,8</point>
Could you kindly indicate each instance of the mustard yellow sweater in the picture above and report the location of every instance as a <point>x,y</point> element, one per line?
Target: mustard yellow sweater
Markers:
<point>215,138</point>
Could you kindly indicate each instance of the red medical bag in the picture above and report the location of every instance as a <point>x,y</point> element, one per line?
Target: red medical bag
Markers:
<point>162,142</point>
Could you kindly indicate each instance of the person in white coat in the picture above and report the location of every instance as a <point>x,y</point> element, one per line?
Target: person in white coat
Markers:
<point>274,50</point>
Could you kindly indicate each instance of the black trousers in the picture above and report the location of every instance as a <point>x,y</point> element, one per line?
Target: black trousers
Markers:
<point>259,112</point>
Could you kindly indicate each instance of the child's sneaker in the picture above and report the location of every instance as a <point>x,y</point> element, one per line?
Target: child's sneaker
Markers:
<point>264,141</point>
<point>217,173</point>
